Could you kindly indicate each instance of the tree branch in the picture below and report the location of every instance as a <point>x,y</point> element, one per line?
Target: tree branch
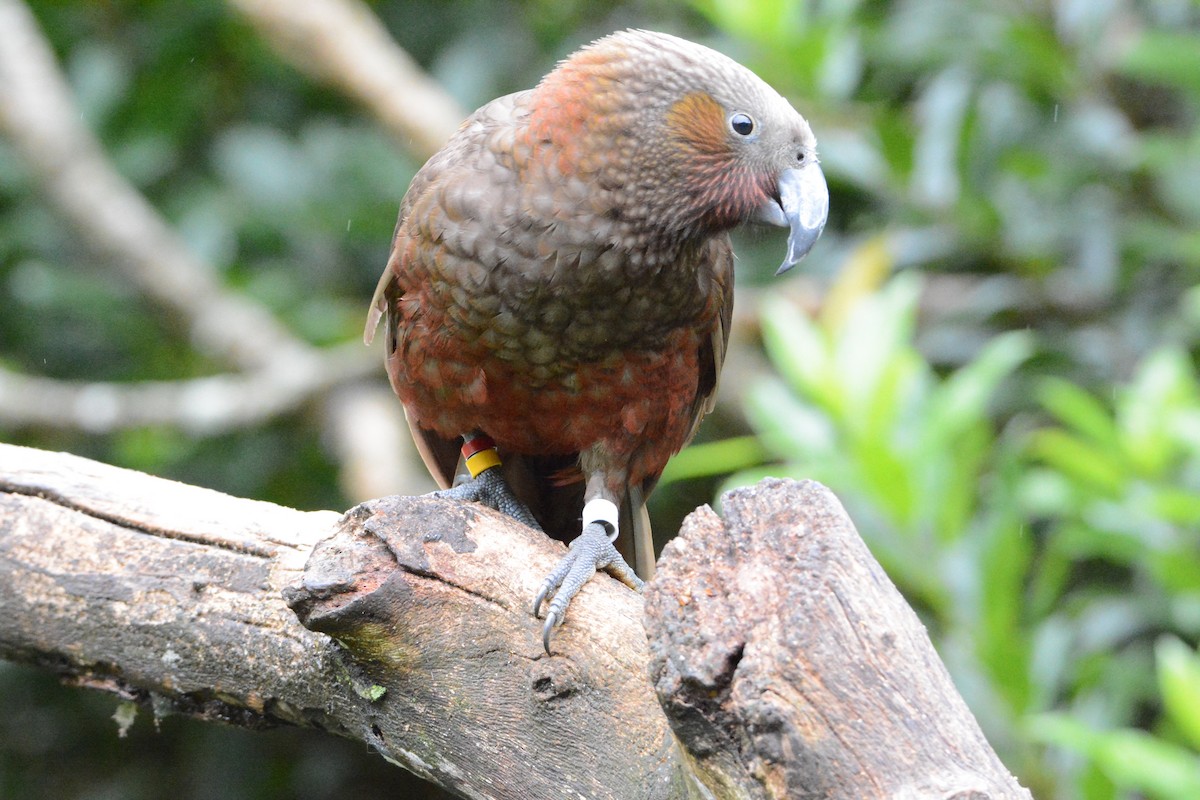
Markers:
<point>342,43</point>
<point>199,406</point>
<point>174,594</point>
<point>41,119</point>
<point>279,370</point>
<point>787,663</point>
<point>160,591</point>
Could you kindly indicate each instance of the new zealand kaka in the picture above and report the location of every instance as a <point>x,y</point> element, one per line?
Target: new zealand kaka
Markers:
<point>561,282</point>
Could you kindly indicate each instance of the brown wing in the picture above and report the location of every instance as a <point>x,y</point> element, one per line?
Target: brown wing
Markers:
<point>441,455</point>
<point>712,349</point>
<point>712,358</point>
<point>501,111</point>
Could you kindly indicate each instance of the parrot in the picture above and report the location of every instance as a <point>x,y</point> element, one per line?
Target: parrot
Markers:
<point>558,295</point>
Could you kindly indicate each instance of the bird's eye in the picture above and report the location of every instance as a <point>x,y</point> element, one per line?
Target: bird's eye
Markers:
<point>741,124</point>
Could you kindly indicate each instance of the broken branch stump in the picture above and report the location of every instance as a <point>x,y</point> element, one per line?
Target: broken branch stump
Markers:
<point>790,666</point>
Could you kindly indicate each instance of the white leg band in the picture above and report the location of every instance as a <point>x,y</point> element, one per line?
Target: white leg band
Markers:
<point>600,510</point>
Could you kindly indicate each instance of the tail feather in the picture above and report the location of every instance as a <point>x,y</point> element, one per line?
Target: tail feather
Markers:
<point>635,521</point>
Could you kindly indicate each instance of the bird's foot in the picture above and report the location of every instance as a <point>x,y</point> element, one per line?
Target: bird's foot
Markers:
<point>592,550</point>
<point>490,488</point>
<point>486,484</point>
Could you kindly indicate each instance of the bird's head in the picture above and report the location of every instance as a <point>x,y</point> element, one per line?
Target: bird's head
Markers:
<point>684,139</point>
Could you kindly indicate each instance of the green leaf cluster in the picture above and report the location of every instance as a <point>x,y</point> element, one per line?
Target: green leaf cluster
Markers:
<point>1055,558</point>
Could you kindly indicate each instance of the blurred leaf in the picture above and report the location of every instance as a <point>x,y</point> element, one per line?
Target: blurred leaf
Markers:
<point>788,427</point>
<point>266,167</point>
<point>1078,409</point>
<point>1179,683</point>
<point>100,77</point>
<point>798,350</point>
<point>1164,382</point>
<point>941,111</point>
<point>961,401</point>
<point>861,274</point>
<point>1181,506</point>
<point>869,357</point>
<point>124,716</point>
<point>1003,639</point>
<point>1169,57</point>
<point>1131,759</point>
<point>888,480</point>
<point>715,458</point>
<point>1078,459</point>
<point>757,20</point>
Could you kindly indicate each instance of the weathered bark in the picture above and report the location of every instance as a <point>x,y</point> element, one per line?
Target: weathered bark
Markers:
<point>432,598</point>
<point>788,664</point>
<point>174,594</point>
<point>157,590</point>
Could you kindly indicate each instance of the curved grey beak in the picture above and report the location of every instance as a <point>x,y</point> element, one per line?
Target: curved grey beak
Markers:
<point>803,208</point>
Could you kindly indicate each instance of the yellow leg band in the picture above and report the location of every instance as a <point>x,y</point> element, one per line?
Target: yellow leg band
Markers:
<point>483,460</point>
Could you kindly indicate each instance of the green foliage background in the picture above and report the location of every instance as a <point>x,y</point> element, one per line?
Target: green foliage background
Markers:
<point>990,357</point>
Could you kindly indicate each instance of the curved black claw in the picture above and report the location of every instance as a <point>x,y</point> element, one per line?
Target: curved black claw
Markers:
<point>490,488</point>
<point>592,550</point>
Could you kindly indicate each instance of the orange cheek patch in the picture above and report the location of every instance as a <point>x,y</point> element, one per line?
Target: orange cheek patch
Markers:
<point>698,122</point>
